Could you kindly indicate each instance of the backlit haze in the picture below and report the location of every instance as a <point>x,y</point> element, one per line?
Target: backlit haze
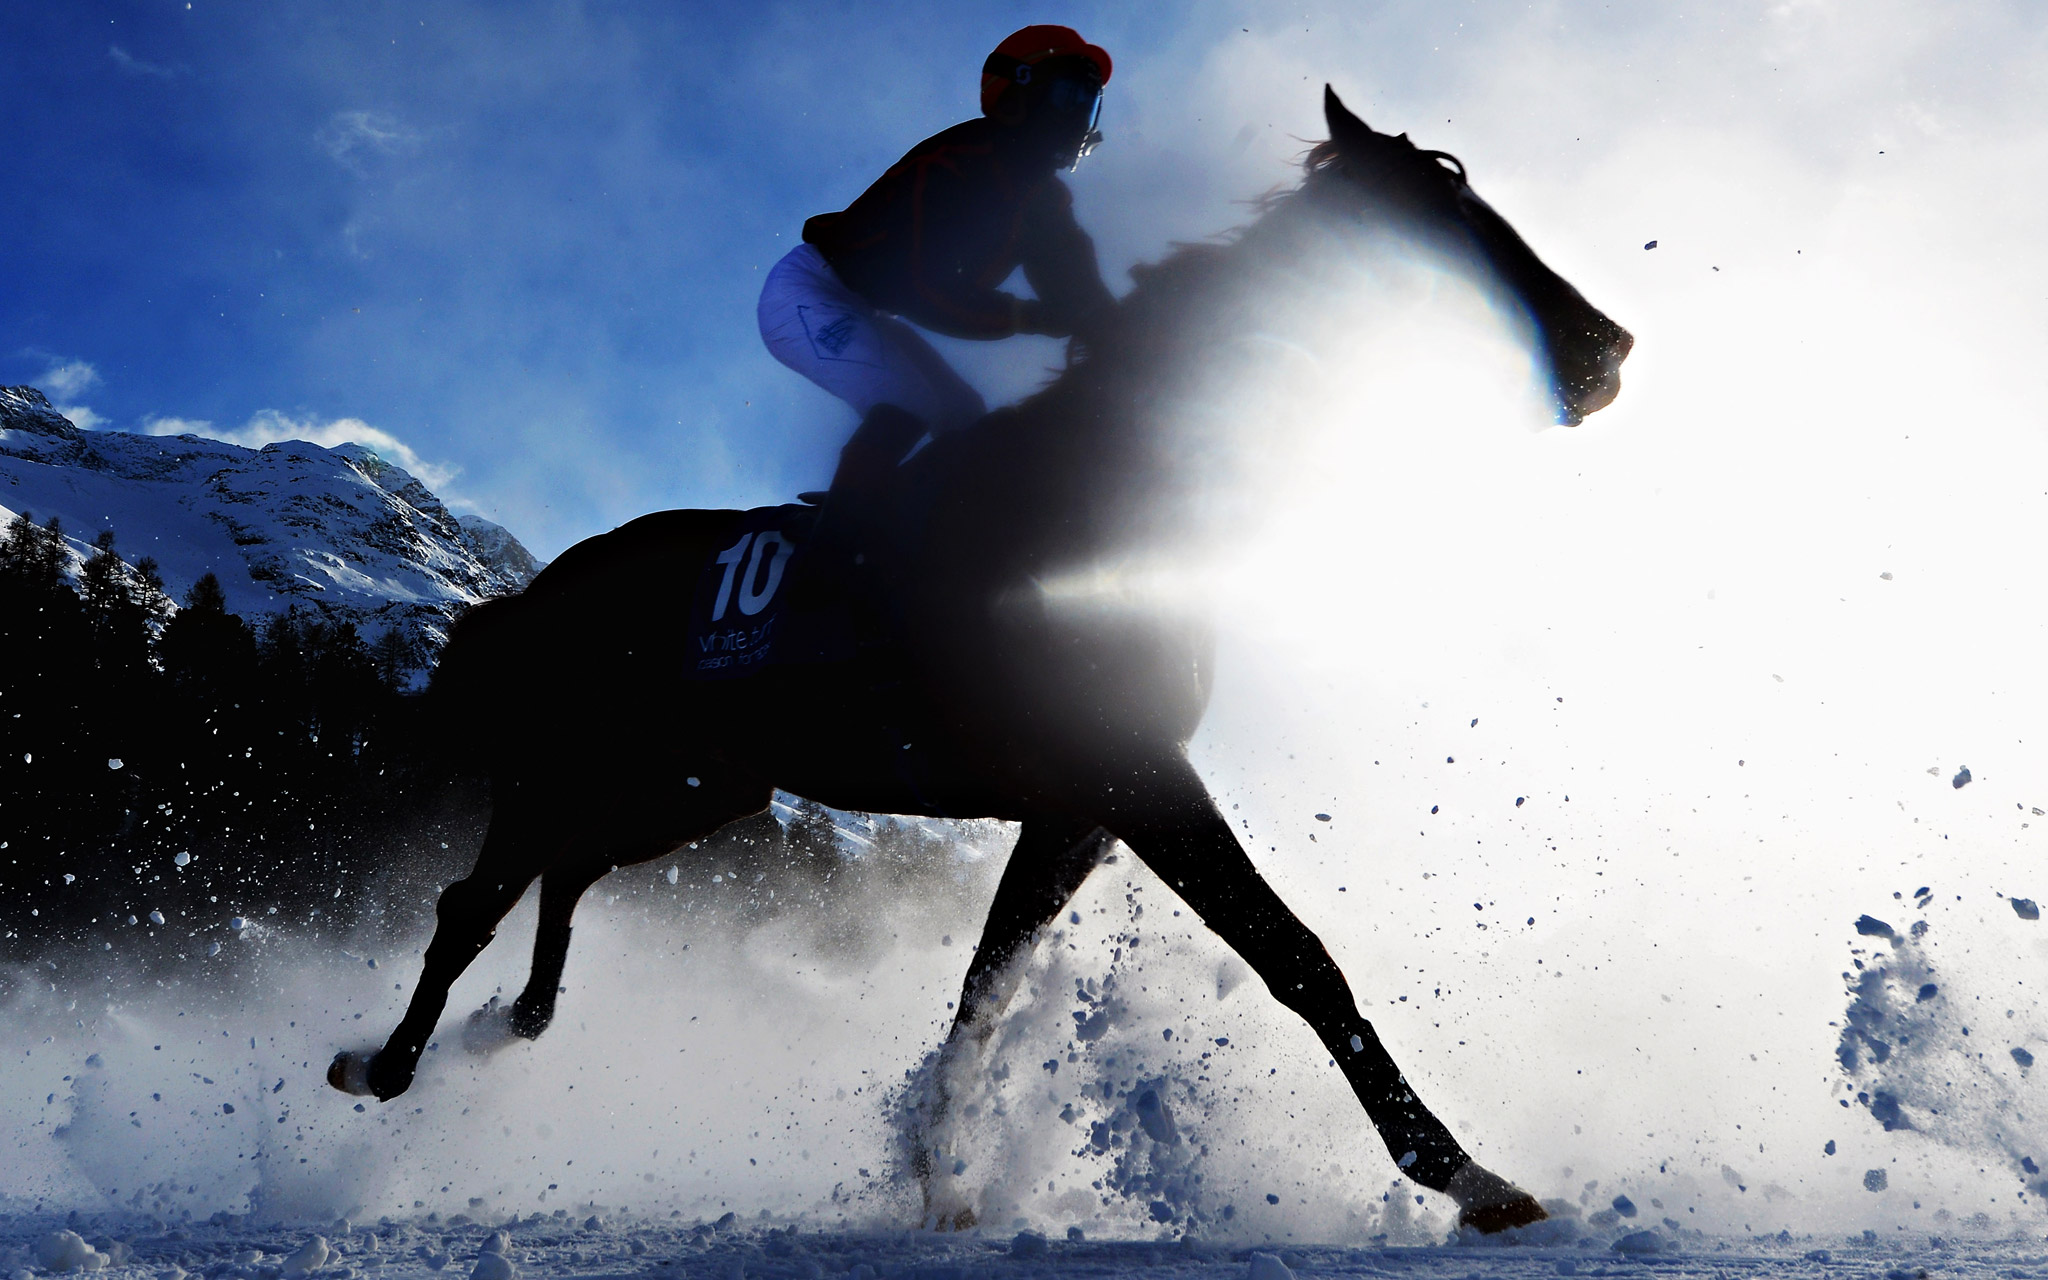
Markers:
<point>1618,728</point>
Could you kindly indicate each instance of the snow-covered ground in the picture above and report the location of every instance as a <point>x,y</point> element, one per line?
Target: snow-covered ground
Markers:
<point>590,1241</point>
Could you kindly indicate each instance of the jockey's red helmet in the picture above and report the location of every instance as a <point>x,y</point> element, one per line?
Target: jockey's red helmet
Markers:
<point>1015,60</point>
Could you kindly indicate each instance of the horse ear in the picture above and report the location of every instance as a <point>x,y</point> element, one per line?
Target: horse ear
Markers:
<point>1346,130</point>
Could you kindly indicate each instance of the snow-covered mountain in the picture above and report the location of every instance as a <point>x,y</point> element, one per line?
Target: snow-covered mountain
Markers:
<point>339,531</point>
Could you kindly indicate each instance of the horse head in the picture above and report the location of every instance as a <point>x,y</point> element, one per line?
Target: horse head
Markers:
<point>1389,177</point>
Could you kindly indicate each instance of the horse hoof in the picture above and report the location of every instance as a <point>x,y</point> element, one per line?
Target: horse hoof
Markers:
<point>367,1073</point>
<point>948,1205</point>
<point>350,1073</point>
<point>528,1023</point>
<point>1489,1203</point>
<point>1590,373</point>
<point>1493,1219</point>
<point>961,1219</point>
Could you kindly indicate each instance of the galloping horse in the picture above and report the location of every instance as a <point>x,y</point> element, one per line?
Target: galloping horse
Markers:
<point>610,740</point>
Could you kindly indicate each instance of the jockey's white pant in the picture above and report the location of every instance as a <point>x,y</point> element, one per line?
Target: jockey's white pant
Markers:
<point>825,331</point>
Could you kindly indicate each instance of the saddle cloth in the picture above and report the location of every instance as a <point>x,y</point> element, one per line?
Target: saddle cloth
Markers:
<point>759,601</point>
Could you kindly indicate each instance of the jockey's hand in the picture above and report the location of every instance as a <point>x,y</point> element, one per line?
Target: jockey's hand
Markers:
<point>1030,315</point>
<point>1098,326</point>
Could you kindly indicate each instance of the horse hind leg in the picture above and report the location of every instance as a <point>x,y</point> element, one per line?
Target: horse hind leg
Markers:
<point>561,887</point>
<point>1045,870</point>
<point>1175,828</point>
<point>515,851</point>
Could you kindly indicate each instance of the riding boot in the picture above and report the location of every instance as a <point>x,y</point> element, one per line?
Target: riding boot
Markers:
<point>834,587</point>
<point>877,445</point>
<point>854,516</point>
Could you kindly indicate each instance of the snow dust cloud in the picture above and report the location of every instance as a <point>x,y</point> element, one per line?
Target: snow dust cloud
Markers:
<point>703,1025</point>
<point>1621,728</point>
<point>739,1033</point>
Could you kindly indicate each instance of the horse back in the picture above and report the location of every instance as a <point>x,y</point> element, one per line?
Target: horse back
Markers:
<point>603,617</point>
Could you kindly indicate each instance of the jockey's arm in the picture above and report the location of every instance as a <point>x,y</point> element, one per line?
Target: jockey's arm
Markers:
<point>943,196</point>
<point>964,311</point>
<point>1059,262</point>
<point>1057,256</point>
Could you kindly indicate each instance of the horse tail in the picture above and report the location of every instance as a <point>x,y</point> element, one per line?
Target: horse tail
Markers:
<point>471,699</point>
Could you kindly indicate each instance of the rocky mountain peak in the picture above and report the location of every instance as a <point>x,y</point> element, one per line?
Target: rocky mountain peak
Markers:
<point>342,532</point>
<point>26,410</point>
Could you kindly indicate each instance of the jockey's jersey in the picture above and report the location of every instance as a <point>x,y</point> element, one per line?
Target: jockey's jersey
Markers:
<point>934,236</point>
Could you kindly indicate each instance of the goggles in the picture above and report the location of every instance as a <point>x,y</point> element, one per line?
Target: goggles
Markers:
<point>1073,96</point>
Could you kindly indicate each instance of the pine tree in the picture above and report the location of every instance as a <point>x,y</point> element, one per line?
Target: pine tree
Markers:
<point>120,702</point>
<point>397,656</point>
<point>346,692</point>
<point>20,536</point>
<point>114,610</point>
<point>103,582</point>
<point>16,543</point>
<point>206,595</point>
<point>150,595</point>
<point>208,652</point>
<point>33,557</point>
<point>46,686</point>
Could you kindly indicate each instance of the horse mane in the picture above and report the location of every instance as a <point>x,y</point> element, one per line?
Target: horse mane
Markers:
<point>1160,289</point>
<point>1189,262</point>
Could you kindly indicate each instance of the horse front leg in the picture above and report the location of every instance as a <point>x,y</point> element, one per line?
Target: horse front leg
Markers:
<point>466,919</point>
<point>1170,822</point>
<point>1050,861</point>
<point>1046,869</point>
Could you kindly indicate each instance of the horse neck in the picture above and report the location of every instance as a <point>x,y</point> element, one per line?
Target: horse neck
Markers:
<point>1132,451</point>
<point>1132,436</point>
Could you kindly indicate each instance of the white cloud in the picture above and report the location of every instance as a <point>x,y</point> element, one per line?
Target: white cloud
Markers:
<point>352,235</point>
<point>135,66</point>
<point>268,426</point>
<point>66,378</point>
<point>155,426</point>
<point>354,137</point>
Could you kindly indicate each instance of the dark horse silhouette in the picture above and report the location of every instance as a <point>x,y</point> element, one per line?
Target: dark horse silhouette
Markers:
<point>604,751</point>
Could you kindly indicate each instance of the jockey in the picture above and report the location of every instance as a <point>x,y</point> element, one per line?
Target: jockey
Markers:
<point>931,241</point>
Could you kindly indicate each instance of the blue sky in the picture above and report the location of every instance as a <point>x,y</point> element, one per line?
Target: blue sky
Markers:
<point>523,240</point>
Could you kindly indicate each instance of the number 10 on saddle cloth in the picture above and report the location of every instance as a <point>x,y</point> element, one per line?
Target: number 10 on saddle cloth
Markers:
<point>742,615</point>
